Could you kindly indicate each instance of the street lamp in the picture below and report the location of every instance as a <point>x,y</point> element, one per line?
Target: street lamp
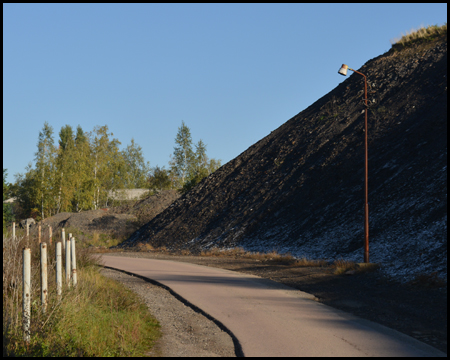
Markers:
<point>343,71</point>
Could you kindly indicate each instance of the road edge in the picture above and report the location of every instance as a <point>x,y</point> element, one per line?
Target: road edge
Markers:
<point>237,345</point>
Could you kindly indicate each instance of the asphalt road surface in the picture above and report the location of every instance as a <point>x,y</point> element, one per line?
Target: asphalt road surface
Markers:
<point>271,319</point>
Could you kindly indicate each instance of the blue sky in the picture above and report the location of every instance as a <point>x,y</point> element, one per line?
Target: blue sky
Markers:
<point>232,72</point>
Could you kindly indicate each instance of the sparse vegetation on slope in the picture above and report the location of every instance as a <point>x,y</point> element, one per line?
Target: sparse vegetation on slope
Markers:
<point>422,34</point>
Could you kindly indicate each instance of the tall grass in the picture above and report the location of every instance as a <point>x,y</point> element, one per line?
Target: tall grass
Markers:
<point>419,35</point>
<point>272,257</point>
<point>99,317</point>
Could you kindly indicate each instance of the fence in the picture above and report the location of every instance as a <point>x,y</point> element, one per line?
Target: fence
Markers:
<point>70,271</point>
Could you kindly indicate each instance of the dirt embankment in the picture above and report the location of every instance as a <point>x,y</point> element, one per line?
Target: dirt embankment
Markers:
<point>300,189</point>
<point>107,226</point>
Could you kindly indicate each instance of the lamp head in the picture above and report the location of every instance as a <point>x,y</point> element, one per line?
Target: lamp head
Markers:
<point>343,70</point>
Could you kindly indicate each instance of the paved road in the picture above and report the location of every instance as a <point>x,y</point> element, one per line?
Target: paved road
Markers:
<point>271,319</point>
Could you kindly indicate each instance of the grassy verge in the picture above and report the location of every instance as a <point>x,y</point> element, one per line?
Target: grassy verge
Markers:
<point>99,317</point>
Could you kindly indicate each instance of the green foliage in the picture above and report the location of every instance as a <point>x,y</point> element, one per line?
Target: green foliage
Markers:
<point>136,169</point>
<point>66,175</point>
<point>83,192</point>
<point>159,179</point>
<point>8,216</point>
<point>46,171</point>
<point>183,154</point>
<point>190,167</point>
<point>84,170</point>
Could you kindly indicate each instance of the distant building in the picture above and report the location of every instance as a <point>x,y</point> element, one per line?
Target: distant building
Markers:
<point>128,194</point>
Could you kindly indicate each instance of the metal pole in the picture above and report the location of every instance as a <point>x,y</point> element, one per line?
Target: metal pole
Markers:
<point>74,263</point>
<point>68,263</point>
<point>26,298</point>
<point>44,287</point>
<point>366,182</point>
<point>58,269</point>
<point>366,175</point>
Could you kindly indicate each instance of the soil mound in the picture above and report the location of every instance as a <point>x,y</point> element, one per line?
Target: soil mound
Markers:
<point>300,189</point>
<point>115,222</point>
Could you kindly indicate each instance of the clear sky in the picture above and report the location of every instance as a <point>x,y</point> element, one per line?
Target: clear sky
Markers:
<point>232,72</point>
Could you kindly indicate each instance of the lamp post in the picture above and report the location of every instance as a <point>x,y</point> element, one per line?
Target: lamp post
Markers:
<point>343,71</point>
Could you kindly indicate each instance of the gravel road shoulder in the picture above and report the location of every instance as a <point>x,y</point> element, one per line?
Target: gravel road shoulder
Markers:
<point>185,333</point>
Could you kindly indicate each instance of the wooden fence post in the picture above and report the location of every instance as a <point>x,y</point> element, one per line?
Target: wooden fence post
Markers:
<point>26,298</point>
<point>44,287</point>
<point>74,262</point>
<point>58,269</point>
<point>14,230</point>
<point>68,268</point>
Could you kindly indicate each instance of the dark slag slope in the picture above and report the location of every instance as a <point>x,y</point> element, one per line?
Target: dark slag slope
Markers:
<point>300,189</point>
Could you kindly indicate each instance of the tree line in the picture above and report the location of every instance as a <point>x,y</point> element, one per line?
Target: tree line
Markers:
<point>84,169</point>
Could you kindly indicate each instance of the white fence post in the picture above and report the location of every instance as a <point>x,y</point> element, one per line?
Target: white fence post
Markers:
<point>58,269</point>
<point>26,298</point>
<point>68,268</point>
<point>28,228</point>
<point>50,234</point>
<point>44,287</point>
<point>74,263</point>
<point>39,233</point>
<point>14,230</point>
<point>63,238</point>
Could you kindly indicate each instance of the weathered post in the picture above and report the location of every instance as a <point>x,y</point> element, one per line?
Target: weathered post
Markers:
<point>28,228</point>
<point>68,268</point>
<point>44,287</point>
<point>14,231</point>
<point>26,298</point>
<point>58,268</point>
<point>74,262</point>
<point>39,233</point>
<point>50,234</point>
<point>63,237</point>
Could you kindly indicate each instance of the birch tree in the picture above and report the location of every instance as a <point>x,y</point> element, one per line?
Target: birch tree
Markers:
<point>183,154</point>
<point>45,167</point>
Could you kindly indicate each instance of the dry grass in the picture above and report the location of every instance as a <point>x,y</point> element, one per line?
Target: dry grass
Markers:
<point>418,35</point>
<point>273,257</point>
<point>341,266</point>
<point>305,262</point>
<point>144,247</point>
<point>97,318</point>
